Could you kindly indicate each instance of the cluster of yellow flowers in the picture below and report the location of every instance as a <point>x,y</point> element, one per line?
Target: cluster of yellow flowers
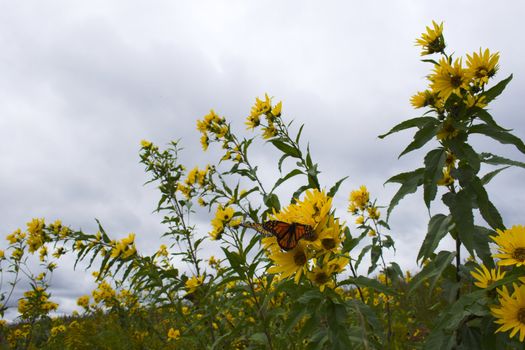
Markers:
<point>124,248</point>
<point>510,313</point>
<point>35,303</point>
<point>224,217</point>
<point>214,125</point>
<point>195,177</point>
<point>318,257</point>
<point>264,107</point>
<point>450,77</point>
<point>361,206</point>
<point>105,294</point>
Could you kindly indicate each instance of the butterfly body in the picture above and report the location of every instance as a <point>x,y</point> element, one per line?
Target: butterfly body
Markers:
<point>287,234</point>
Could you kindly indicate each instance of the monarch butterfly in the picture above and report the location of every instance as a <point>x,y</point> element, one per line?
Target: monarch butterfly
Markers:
<point>287,234</point>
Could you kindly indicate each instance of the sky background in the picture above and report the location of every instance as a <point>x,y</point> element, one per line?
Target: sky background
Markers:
<point>83,82</point>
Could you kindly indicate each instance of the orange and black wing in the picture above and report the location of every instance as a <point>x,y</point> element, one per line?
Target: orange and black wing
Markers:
<point>287,234</point>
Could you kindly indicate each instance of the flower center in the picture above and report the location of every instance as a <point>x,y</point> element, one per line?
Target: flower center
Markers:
<point>521,315</point>
<point>299,258</point>
<point>328,243</point>
<point>322,278</point>
<point>519,254</point>
<point>456,81</point>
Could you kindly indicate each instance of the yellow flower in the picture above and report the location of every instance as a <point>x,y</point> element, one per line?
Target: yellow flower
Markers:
<point>173,334</point>
<point>373,213</point>
<point>486,277</point>
<point>193,283</point>
<point>425,98</point>
<point>291,262</point>
<point>511,246</point>
<point>359,198</point>
<point>331,234</point>
<point>449,78</point>
<point>475,101</point>
<point>83,301</point>
<point>511,312</point>
<point>269,132</point>
<point>483,66</point>
<point>276,110</point>
<point>360,220</point>
<point>205,142</point>
<point>447,179</point>
<point>145,143</point>
<point>321,276</point>
<point>447,131</point>
<point>312,210</point>
<point>2,254</point>
<point>432,41</point>
<point>253,121</point>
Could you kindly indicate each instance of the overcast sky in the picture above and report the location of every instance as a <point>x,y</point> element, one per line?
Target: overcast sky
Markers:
<point>81,83</point>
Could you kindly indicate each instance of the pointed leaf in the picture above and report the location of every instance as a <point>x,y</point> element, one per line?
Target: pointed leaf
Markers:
<point>409,181</point>
<point>418,122</point>
<point>438,227</point>
<point>460,205</point>
<point>498,135</point>
<point>496,90</point>
<point>421,137</point>
<point>434,162</point>
<point>486,208</point>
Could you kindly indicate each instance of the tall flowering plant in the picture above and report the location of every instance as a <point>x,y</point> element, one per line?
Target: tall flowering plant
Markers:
<point>456,100</point>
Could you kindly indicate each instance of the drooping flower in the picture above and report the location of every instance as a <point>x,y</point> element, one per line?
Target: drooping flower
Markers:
<point>432,41</point>
<point>511,246</point>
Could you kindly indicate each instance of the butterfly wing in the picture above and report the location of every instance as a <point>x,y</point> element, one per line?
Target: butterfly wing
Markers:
<point>287,234</point>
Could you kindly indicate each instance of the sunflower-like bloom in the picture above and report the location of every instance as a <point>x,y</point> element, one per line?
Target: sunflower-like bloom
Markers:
<point>483,65</point>
<point>291,262</point>
<point>173,334</point>
<point>511,312</point>
<point>330,234</point>
<point>359,199</point>
<point>312,210</point>
<point>449,78</point>
<point>193,283</point>
<point>486,277</point>
<point>223,218</point>
<point>432,41</point>
<point>511,246</point>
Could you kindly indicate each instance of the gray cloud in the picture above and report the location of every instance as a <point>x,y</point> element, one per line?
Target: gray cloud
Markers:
<point>82,84</point>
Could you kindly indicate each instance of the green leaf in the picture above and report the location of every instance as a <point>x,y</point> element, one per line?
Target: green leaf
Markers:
<point>489,176</point>
<point>432,272</point>
<point>418,122</point>
<point>434,162</point>
<point>481,245</point>
<point>464,152</point>
<point>363,281</point>
<point>487,118</point>
<point>272,201</point>
<point>286,148</point>
<point>498,135</point>
<point>291,174</point>
<point>496,90</point>
<point>421,137</point>
<point>460,205</point>
<point>493,159</point>
<point>334,188</point>
<point>486,208</point>
<point>409,181</point>
<point>438,227</point>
